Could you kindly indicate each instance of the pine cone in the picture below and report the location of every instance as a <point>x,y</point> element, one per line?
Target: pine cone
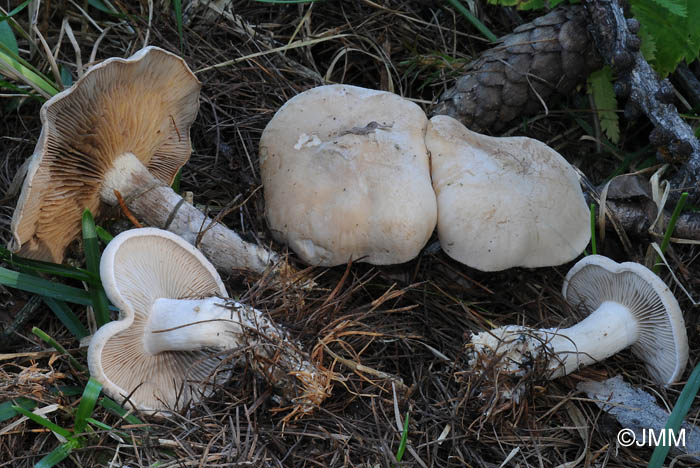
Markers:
<point>555,52</point>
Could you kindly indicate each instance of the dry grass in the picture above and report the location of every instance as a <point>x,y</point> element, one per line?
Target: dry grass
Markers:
<point>393,336</point>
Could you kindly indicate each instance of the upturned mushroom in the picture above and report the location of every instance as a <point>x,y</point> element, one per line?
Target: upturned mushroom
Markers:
<point>629,306</point>
<point>504,202</point>
<point>123,127</point>
<point>173,309</point>
<point>346,176</point>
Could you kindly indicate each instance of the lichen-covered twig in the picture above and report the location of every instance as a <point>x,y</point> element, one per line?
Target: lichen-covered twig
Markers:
<point>619,47</point>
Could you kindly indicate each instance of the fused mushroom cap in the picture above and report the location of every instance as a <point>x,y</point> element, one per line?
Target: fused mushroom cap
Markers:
<point>504,202</point>
<point>347,176</point>
<point>144,105</point>
<point>662,342</point>
<point>137,267</point>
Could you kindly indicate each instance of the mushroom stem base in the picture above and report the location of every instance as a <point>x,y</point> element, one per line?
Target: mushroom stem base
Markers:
<point>606,331</point>
<point>158,205</point>
<point>186,325</point>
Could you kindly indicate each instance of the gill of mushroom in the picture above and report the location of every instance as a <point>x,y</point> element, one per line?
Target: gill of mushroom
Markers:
<point>123,127</point>
<point>173,313</point>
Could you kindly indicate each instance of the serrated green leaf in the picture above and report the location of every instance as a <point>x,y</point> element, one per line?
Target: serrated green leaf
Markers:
<point>648,48</point>
<point>676,37</point>
<point>677,7</point>
<point>7,37</point>
<point>601,88</point>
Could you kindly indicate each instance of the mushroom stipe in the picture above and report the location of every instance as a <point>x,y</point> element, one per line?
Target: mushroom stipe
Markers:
<point>125,126</point>
<point>629,306</point>
<point>173,310</point>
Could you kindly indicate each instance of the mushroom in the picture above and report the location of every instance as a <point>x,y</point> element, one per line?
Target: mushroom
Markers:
<point>504,202</point>
<point>124,126</point>
<point>629,306</point>
<point>173,308</point>
<point>346,176</point>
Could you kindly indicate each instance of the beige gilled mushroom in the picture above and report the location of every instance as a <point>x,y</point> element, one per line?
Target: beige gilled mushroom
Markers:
<point>629,306</point>
<point>346,176</point>
<point>125,126</point>
<point>173,308</point>
<point>504,202</point>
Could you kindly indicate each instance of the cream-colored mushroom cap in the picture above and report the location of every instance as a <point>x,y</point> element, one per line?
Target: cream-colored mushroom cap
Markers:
<point>142,105</point>
<point>138,267</point>
<point>347,177</point>
<point>661,338</point>
<point>504,202</point>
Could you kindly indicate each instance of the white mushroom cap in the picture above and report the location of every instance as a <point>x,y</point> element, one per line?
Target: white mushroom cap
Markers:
<point>504,202</point>
<point>138,267</point>
<point>143,105</point>
<point>663,342</point>
<point>347,176</point>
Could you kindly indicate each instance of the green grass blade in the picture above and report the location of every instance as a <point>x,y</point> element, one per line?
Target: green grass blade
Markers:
<point>21,66</point>
<point>7,37</point>
<point>36,285</point>
<point>15,10</point>
<point>404,439</point>
<point>57,346</point>
<point>114,407</point>
<point>100,424</point>
<point>49,268</point>
<point>473,20</point>
<point>67,317</point>
<point>594,249</point>
<point>669,229</point>
<point>685,400</point>
<point>176,182</point>
<point>7,411</point>
<point>177,4</point>
<point>92,260</point>
<point>57,455</point>
<point>103,234</point>
<point>66,78</point>
<point>87,404</point>
<point>44,422</point>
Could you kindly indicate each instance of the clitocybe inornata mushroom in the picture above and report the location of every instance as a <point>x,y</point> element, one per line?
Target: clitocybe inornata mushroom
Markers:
<point>629,306</point>
<point>125,126</point>
<point>173,308</point>
<point>504,202</point>
<point>347,177</point>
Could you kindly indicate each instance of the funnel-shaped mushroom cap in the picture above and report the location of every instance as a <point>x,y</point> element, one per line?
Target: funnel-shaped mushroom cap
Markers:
<point>662,342</point>
<point>143,105</point>
<point>138,267</point>
<point>347,175</point>
<point>504,202</point>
